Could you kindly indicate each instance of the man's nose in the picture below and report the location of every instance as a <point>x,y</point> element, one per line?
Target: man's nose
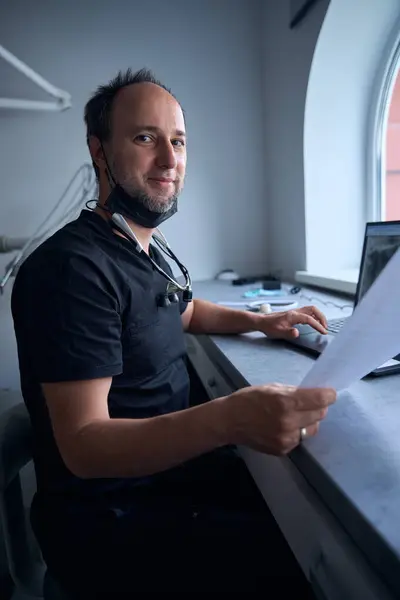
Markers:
<point>166,157</point>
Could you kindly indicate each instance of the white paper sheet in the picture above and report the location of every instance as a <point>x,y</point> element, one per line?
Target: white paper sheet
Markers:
<point>369,337</point>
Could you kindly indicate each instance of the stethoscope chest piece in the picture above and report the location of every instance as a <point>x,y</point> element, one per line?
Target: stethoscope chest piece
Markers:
<point>165,300</point>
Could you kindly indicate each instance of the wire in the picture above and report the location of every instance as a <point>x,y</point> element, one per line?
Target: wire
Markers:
<point>87,182</point>
<point>86,188</point>
<point>295,290</point>
<point>325,302</point>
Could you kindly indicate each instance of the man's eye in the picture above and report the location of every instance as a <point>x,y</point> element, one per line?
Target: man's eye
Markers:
<point>178,143</point>
<point>143,138</point>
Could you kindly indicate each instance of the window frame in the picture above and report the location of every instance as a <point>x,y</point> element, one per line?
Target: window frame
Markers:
<point>384,86</point>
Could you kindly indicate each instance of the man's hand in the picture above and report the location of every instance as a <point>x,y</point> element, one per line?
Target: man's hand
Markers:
<point>269,418</point>
<point>282,324</point>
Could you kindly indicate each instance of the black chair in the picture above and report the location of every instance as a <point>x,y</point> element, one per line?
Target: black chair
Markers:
<point>27,569</point>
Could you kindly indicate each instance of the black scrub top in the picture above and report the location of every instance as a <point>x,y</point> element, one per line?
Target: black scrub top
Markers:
<point>84,305</point>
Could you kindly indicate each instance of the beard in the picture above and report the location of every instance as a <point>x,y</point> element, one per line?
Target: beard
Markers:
<point>155,203</point>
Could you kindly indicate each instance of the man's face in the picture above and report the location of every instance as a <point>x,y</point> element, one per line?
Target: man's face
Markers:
<point>147,149</point>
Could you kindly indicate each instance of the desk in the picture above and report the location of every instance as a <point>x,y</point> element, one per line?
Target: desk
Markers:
<point>337,496</point>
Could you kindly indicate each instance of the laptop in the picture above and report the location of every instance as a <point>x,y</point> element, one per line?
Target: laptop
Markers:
<point>381,240</point>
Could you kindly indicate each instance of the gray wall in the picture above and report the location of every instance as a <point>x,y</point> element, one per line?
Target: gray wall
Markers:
<point>288,57</point>
<point>208,51</point>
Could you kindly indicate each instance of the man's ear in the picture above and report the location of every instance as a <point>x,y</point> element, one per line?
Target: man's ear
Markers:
<point>96,152</point>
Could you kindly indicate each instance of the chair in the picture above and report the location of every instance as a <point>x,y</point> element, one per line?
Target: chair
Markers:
<point>27,571</point>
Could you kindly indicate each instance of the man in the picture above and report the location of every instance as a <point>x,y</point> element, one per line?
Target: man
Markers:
<point>138,492</point>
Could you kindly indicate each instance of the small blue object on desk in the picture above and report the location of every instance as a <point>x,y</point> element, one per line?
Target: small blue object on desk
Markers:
<point>262,292</point>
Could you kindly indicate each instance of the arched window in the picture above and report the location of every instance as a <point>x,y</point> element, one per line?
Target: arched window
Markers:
<point>386,197</point>
<point>390,195</point>
<point>350,85</point>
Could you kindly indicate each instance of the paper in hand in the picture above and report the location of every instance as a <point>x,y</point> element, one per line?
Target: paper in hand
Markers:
<point>369,338</point>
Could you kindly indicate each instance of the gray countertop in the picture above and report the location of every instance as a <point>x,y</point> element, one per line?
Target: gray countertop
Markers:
<point>354,461</point>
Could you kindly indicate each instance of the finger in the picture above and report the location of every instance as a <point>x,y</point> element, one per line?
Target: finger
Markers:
<point>317,314</point>
<point>301,318</point>
<point>307,418</point>
<point>308,399</point>
<point>291,333</point>
<point>303,419</point>
<point>308,314</point>
<point>297,437</point>
<point>311,431</point>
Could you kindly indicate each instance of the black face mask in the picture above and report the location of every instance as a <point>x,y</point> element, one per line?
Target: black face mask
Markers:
<point>119,201</point>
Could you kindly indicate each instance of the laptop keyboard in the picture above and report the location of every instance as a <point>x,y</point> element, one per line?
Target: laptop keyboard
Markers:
<point>335,325</point>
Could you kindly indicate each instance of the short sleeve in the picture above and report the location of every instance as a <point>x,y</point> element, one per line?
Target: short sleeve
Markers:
<point>67,320</point>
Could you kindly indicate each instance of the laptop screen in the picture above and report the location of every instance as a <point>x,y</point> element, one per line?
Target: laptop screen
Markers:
<point>381,242</point>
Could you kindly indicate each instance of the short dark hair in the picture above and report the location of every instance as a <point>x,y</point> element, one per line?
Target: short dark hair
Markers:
<point>98,109</point>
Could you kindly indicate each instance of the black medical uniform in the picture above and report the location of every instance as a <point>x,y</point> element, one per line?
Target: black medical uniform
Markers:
<point>85,306</point>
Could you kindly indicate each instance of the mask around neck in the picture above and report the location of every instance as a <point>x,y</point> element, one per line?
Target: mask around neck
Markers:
<point>119,201</point>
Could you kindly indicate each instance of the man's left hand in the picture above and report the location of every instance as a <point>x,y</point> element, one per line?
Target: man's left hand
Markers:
<point>282,324</point>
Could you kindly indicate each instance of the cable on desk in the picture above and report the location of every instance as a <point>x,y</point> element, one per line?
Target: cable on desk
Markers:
<point>325,302</point>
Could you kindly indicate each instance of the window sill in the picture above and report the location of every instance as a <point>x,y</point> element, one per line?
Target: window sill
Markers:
<point>341,281</point>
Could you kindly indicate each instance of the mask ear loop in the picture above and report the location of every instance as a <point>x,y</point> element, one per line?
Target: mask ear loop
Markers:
<point>123,227</point>
<point>119,222</point>
<point>109,174</point>
<point>87,204</point>
<point>111,181</point>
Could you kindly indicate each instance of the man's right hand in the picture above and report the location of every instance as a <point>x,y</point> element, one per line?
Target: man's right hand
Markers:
<point>92,444</point>
<point>269,418</point>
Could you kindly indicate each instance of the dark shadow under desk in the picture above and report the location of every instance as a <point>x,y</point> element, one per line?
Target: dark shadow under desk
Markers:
<point>337,497</point>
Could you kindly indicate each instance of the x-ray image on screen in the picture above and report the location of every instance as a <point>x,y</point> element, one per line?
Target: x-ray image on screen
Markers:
<point>378,252</point>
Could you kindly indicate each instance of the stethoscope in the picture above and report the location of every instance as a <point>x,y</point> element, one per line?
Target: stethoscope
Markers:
<point>173,287</point>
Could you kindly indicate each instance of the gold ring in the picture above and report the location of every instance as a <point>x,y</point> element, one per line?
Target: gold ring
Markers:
<point>303,433</point>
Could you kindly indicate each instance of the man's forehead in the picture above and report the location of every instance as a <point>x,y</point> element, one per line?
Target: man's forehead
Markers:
<point>147,103</point>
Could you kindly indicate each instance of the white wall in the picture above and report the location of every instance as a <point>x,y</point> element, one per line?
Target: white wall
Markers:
<point>320,81</point>
<point>338,119</point>
<point>208,52</point>
<point>288,56</point>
